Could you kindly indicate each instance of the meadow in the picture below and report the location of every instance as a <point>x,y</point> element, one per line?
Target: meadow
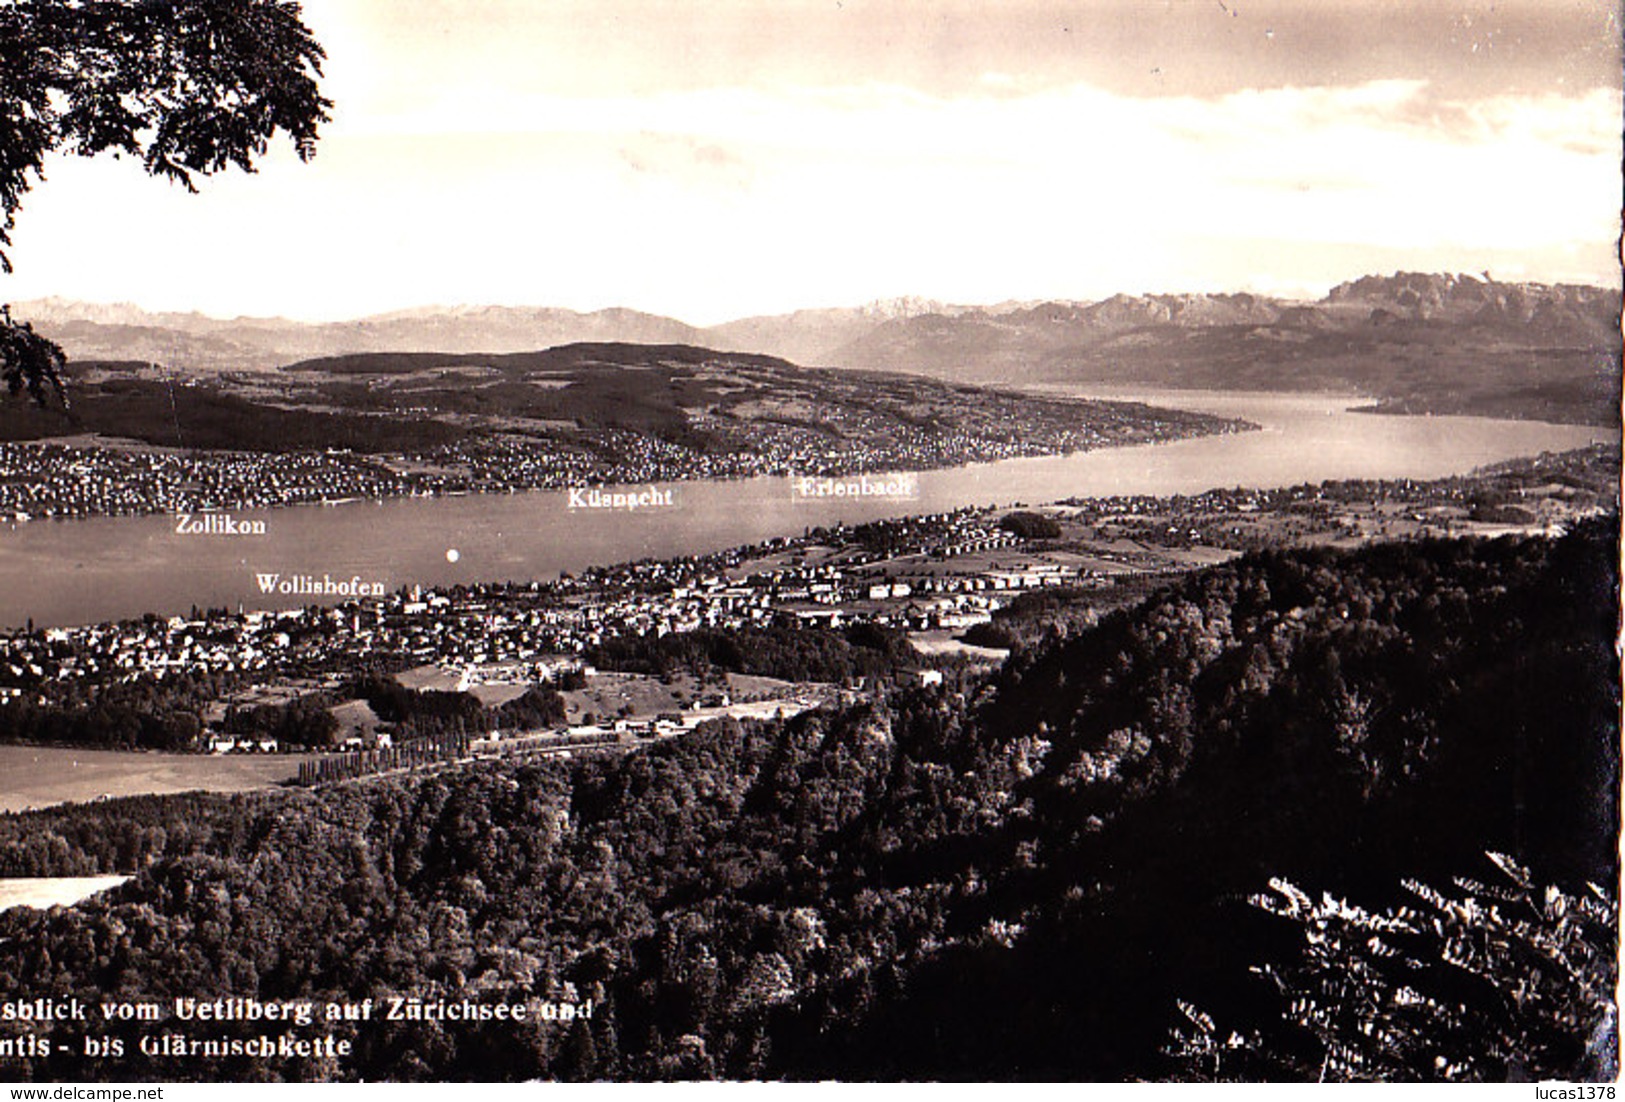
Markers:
<point>38,776</point>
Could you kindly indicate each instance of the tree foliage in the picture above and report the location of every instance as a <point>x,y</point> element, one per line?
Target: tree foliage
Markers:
<point>190,87</point>
<point>1506,981</point>
<point>798,653</point>
<point>1010,879</point>
<point>30,360</point>
<point>1030,526</point>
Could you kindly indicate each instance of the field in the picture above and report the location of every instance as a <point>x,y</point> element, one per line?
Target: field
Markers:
<point>38,776</point>
<point>943,642</point>
<point>609,695</point>
<point>41,892</point>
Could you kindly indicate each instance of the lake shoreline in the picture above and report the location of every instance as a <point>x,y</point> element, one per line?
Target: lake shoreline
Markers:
<point>108,569</point>
<point>837,472</point>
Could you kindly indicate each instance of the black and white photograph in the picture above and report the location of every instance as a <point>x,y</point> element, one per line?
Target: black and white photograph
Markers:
<point>810,541</point>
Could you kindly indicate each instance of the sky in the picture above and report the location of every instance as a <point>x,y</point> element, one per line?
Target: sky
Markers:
<point>718,159</point>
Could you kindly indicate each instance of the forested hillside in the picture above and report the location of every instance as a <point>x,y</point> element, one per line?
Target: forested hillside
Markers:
<point>1018,878</point>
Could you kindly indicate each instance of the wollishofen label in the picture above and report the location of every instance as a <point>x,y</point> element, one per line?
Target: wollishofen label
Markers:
<point>628,500</point>
<point>216,524</point>
<point>307,585</point>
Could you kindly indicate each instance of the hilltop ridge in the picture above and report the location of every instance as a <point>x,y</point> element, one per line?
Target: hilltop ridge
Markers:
<point>1411,341</point>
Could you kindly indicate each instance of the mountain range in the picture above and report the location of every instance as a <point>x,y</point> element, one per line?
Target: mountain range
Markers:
<point>1413,342</point>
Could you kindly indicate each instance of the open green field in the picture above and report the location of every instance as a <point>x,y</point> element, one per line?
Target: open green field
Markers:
<point>41,892</point>
<point>608,695</point>
<point>38,776</point>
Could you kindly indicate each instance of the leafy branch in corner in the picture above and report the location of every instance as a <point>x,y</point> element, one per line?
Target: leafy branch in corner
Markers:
<point>188,87</point>
<point>1505,982</point>
<point>30,360</point>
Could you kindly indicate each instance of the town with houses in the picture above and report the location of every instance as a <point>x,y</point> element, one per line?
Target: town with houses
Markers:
<point>931,576</point>
<point>96,476</point>
<point>519,631</point>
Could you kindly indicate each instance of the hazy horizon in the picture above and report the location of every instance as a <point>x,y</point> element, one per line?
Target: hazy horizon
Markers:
<point>738,158</point>
<point>1309,295</point>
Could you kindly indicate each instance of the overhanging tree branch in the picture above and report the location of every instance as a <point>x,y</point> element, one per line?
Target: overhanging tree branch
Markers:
<point>191,87</point>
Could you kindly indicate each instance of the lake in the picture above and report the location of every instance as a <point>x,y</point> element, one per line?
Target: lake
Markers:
<point>84,571</point>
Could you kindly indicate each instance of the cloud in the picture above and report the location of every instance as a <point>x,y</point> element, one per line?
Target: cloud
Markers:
<point>720,202</point>
<point>687,162</point>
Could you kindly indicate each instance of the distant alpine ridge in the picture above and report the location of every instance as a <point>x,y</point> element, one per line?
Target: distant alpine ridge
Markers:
<point>1413,342</point>
<point>199,343</point>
